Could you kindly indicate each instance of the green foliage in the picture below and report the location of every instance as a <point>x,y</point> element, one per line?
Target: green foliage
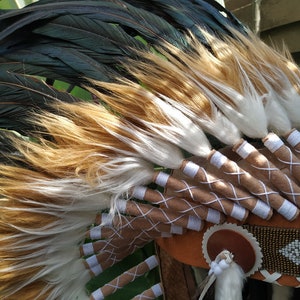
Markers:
<point>137,286</point>
<point>75,91</point>
<point>11,4</point>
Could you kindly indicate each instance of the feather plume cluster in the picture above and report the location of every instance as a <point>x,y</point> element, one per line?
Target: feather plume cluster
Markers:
<point>160,97</point>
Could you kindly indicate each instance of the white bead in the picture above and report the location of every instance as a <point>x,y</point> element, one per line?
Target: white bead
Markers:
<point>217,270</point>
<point>223,264</point>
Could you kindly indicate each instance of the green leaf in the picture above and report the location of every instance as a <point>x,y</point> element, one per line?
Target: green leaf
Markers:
<point>12,4</point>
<point>137,286</point>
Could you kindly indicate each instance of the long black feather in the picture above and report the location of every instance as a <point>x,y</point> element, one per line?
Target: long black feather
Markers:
<point>22,95</point>
<point>74,40</point>
<point>139,21</point>
<point>92,34</point>
<point>70,62</point>
<point>81,39</point>
<point>192,14</point>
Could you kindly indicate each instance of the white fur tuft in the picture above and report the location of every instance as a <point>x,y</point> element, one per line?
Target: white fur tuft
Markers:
<point>54,248</point>
<point>225,130</point>
<point>122,173</point>
<point>229,284</point>
<point>248,114</point>
<point>278,120</point>
<point>182,131</point>
<point>290,100</point>
<point>218,125</point>
<point>151,148</point>
<point>287,95</point>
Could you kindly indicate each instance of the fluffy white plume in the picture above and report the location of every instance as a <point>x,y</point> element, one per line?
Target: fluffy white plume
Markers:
<point>218,125</point>
<point>150,147</point>
<point>182,131</point>
<point>248,114</point>
<point>277,117</point>
<point>54,248</point>
<point>229,284</point>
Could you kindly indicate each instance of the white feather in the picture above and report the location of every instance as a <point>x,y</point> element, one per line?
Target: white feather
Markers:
<point>286,94</point>
<point>54,249</point>
<point>290,100</point>
<point>277,117</point>
<point>217,125</point>
<point>69,281</point>
<point>248,115</point>
<point>151,148</point>
<point>229,284</point>
<point>182,131</point>
<point>225,130</point>
<point>116,176</point>
<point>122,173</point>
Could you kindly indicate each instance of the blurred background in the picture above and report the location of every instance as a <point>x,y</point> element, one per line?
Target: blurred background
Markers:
<point>276,21</point>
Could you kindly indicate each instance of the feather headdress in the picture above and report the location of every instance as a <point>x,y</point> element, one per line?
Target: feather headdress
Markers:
<point>163,79</point>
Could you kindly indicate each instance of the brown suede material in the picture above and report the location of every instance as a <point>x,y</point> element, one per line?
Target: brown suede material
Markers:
<point>187,248</point>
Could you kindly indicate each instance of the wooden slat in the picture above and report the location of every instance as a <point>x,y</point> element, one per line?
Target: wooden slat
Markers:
<point>280,20</point>
<point>277,13</point>
<point>177,278</point>
<point>235,4</point>
<point>288,34</point>
<point>274,13</point>
<point>245,14</point>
